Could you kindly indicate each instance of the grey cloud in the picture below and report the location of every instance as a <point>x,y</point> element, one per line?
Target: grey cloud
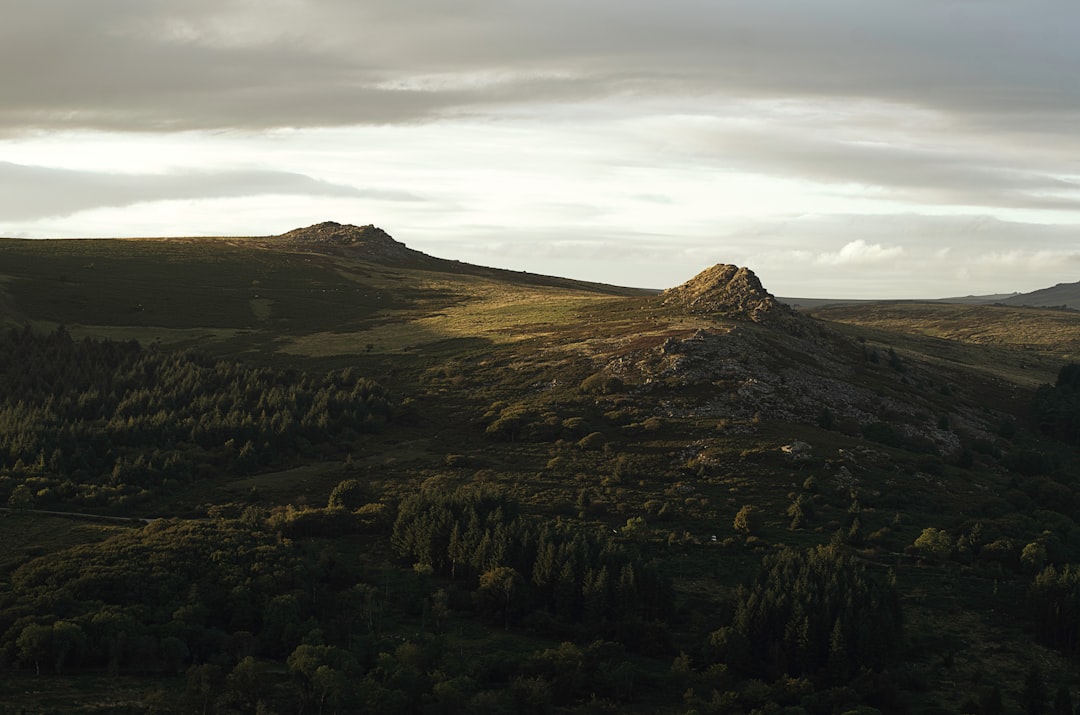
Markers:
<point>132,64</point>
<point>904,172</point>
<point>29,192</point>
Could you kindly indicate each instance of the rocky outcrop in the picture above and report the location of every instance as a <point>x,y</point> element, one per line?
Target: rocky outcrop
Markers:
<point>368,242</point>
<point>728,291</point>
<point>741,374</point>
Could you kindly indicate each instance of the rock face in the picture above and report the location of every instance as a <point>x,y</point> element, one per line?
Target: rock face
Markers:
<point>362,241</point>
<point>729,291</point>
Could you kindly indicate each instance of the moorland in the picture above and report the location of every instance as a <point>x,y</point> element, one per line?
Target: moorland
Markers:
<point>323,472</point>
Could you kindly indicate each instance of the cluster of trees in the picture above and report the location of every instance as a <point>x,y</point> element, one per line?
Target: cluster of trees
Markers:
<point>513,423</point>
<point>158,598</point>
<point>1057,407</point>
<point>1055,605</point>
<point>254,621</point>
<point>476,535</point>
<point>812,612</point>
<point>97,421</point>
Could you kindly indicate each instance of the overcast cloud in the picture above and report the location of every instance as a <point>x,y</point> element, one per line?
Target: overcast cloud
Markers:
<point>35,192</point>
<point>837,134</point>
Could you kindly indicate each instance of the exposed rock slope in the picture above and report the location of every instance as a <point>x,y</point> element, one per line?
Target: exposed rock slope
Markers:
<point>368,242</point>
<point>728,291</point>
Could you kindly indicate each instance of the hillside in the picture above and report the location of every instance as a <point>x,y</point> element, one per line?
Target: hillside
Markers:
<point>323,290</point>
<point>379,480</point>
<point>1023,345</point>
<point>1062,295</point>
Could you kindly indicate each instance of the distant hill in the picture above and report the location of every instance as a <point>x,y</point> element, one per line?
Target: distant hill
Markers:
<point>373,244</point>
<point>1063,294</point>
<point>815,303</point>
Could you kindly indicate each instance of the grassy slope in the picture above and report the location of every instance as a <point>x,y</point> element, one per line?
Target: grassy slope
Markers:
<point>1022,345</point>
<point>456,342</point>
<point>1067,294</point>
<point>232,296</point>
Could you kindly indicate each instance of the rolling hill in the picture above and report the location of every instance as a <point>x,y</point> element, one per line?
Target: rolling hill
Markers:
<point>382,480</point>
<point>1065,295</point>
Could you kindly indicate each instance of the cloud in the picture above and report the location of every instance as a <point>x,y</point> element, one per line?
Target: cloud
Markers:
<point>721,130</point>
<point>129,64</point>
<point>31,192</point>
<point>893,166</point>
<point>1031,260</point>
<point>859,252</point>
<point>912,256</point>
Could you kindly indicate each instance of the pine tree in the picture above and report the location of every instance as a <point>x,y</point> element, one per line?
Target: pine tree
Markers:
<point>839,666</point>
<point>1033,697</point>
<point>1063,701</point>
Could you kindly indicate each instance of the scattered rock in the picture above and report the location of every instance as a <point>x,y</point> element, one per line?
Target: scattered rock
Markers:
<point>798,451</point>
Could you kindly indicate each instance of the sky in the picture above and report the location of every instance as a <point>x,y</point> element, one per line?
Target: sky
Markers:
<point>838,148</point>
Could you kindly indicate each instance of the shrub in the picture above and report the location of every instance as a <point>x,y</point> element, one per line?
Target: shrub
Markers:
<point>600,384</point>
<point>748,520</point>
<point>348,494</point>
<point>592,441</point>
<point>934,542</point>
<point>575,426</point>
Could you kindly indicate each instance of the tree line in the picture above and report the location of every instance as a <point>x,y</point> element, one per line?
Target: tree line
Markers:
<point>252,618</point>
<point>1057,407</point>
<point>520,564</point>
<point>814,612</point>
<point>100,422</point>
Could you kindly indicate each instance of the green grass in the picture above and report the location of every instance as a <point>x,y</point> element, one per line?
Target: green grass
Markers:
<point>1023,345</point>
<point>236,297</point>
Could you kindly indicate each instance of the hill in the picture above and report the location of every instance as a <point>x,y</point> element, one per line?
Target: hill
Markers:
<point>380,480</point>
<point>1023,345</point>
<point>1065,295</point>
<point>323,290</point>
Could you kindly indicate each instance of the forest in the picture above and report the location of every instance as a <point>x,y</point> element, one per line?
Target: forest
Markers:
<point>109,424</point>
<point>220,600</point>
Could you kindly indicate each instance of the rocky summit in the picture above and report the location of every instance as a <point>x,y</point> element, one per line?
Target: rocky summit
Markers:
<point>359,241</point>
<point>730,291</point>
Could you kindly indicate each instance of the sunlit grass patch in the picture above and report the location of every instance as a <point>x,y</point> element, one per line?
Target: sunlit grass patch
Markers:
<point>499,313</point>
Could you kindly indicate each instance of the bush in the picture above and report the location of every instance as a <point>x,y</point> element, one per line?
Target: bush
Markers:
<point>575,427</point>
<point>600,384</point>
<point>934,542</point>
<point>592,441</point>
<point>348,494</point>
<point>748,520</point>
